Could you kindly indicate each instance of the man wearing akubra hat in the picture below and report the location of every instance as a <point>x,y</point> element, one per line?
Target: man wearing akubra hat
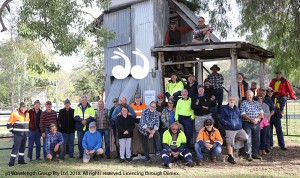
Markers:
<point>34,134</point>
<point>47,118</point>
<point>217,81</point>
<point>67,127</point>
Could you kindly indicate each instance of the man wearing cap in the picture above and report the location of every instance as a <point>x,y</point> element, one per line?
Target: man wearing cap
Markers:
<point>174,88</point>
<point>18,124</point>
<point>209,140</point>
<point>174,142</point>
<point>173,37</point>
<point>102,125</point>
<point>217,81</point>
<point>34,134</point>
<point>252,113</point>
<point>202,32</point>
<point>270,103</point>
<point>232,120</point>
<point>282,89</point>
<point>67,127</point>
<point>138,107</point>
<point>275,122</point>
<point>113,124</point>
<point>92,144</point>
<point>55,144</point>
<point>185,115</point>
<point>191,86</point>
<point>84,114</point>
<point>160,106</point>
<point>242,87</point>
<point>48,117</point>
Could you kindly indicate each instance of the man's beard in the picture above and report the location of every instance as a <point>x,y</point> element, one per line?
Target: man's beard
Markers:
<point>92,130</point>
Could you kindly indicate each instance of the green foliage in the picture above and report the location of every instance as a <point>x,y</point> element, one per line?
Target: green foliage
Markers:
<point>275,24</point>
<point>63,23</point>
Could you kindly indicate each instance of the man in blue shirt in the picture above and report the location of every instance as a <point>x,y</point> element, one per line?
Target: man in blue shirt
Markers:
<point>232,120</point>
<point>54,144</point>
<point>92,144</point>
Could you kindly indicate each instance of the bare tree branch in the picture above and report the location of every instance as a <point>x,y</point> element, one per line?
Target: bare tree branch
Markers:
<point>5,4</point>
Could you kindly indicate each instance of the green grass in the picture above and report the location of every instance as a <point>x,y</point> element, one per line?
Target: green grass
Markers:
<point>276,164</point>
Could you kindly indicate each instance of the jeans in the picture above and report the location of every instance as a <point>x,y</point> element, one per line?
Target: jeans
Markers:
<point>60,152</point>
<point>125,147</point>
<point>213,152</point>
<point>34,137</point>
<point>253,132</point>
<point>80,135</point>
<point>277,124</point>
<point>263,138</point>
<point>219,98</point>
<point>165,155</point>
<point>145,139</point>
<point>187,124</point>
<point>69,139</point>
<point>44,142</point>
<point>105,133</point>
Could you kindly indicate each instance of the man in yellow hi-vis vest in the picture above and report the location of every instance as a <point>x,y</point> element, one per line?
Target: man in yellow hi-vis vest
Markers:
<point>83,115</point>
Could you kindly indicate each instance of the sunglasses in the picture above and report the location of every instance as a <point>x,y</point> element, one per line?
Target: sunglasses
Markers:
<point>208,124</point>
<point>174,129</point>
<point>160,98</point>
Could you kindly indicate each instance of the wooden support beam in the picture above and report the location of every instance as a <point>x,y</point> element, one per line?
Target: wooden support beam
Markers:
<point>161,59</point>
<point>262,74</point>
<point>233,75</point>
<point>194,61</point>
<point>250,56</point>
<point>197,47</point>
<point>199,72</point>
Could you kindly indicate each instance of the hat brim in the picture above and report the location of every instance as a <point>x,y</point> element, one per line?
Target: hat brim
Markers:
<point>218,68</point>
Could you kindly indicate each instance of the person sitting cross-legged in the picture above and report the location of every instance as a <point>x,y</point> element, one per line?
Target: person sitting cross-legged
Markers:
<point>92,144</point>
<point>210,141</point>
<point>174,142</point>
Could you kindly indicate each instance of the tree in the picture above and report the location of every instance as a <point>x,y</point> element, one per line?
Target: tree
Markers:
<point>63,23</point>
<point>275,24</point>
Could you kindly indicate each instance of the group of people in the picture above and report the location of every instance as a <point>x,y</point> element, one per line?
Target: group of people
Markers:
<point>192,114</point>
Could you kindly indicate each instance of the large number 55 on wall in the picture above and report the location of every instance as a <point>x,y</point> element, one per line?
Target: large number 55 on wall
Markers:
<point>137,72</point>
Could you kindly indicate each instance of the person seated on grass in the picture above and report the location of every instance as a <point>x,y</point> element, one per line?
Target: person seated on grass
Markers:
<point>210,141</point>
<point>54,144</point>
<point>92,144</point>
<point>125,125</point>
<point>231,118</point>
<point>174,144</point>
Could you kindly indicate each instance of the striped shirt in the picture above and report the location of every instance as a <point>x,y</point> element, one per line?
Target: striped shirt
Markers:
<point>47,118</point>
<point>102,121</point>
<point>216,80</point>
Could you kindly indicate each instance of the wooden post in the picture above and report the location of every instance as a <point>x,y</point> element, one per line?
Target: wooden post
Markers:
<point>199,72</point>
<point>262,74</point>
<point>161,59</point>
<point>233,75</point>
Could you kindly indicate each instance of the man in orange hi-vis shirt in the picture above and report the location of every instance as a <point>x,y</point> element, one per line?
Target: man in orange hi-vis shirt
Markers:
<point>138,107</point>
<point>18,124</point>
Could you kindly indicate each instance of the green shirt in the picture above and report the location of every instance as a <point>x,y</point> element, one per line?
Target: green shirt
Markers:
<point>183,108</point>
